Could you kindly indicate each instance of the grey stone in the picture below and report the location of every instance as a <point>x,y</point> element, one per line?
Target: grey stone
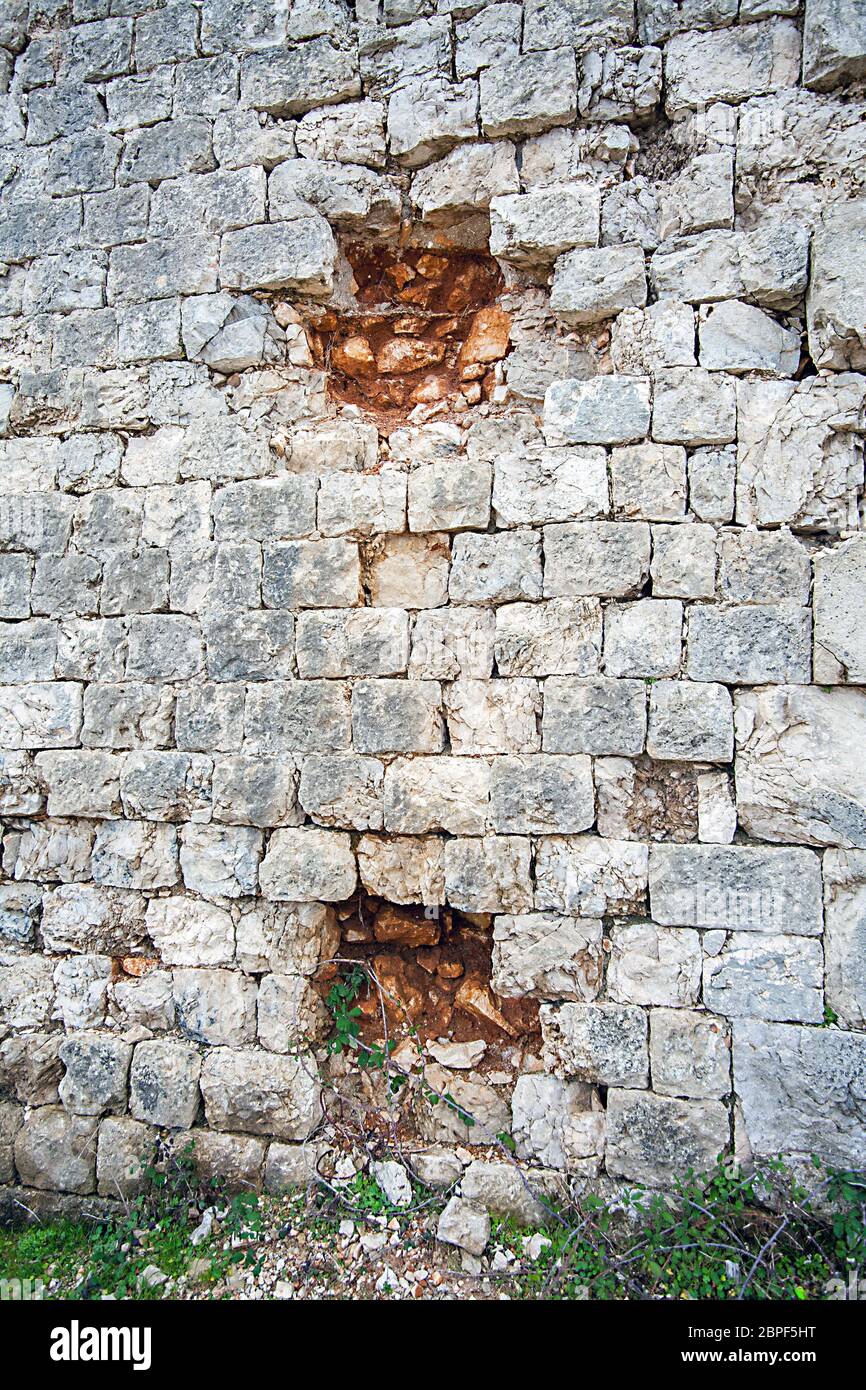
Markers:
<point>834,44</point>
<point>163,1083</point>
<point>465,1225</point>
<point>94,1082</point>
<point>596,283</point>
<point>57,1151</point>
<point>690,1054</point>
<point>605,1043</point>
<point>783,792</point>
<point>773,977</point>
<point>125,1150</point>
<point>652,1139</point>
<point>258,1092</point>
<point>601,410</point>
<point>602,716</point>
<point>845,935</point>
<point>546,956</point>
<point>737,887</point>
<point>779,1068</point>
<point>748,645</point>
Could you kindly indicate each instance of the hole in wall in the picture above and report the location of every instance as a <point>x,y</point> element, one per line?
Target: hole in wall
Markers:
<point>434,968</point>
<point>424,329</point>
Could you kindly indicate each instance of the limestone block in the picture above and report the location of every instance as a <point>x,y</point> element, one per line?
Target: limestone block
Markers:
<point>739,887</point>
<point>452,642</point>
<point>259,1092</point>
<point>290,1013</point>
<point>834,44</point>
<point>845,935</point>
<point>449,495</point>
<point>541,794</point>
<point>740,338</point>
<point>683,561</point>
<point>215,1006</point>
<point>603,1043</point>
<point>299,255</point>
<point>690,1054</point>
<point>840,642</point>
<point>606,558</point>
<point>749,644</point>
<point>40,715</point>
<point>779,1070</point>
<point>489,874</point>
<point>464,182</point>
<point>408,571</point>
<point>125,1150</point>
<point>654,965</point>
<point>495,568</point>
<point>649,481</point>
<point>441,793</point>
<point>396,716</point>
<point>646,340</point>
<point>643,638</point>
<point>429,116</point>
<point>403,869</point>
<point>542,485</point>
<point>650,1139</point>
<point>56,1151</point>
<point>135,854</point>
<point>187,931</point>
<point>340,789</point>
<point>360,504</point>
<point>690,720</point>
<point>497,716</point>
<point>83,917</point>
<point>763,567</point>
<point>528,94</point>
<point>311,574</point>
<point>784,792</point>
<point>596,283</point>
<point>306,865</point>
<point>291,938</point>
<point>776,977</point>
<point>96,1070</point>
<point>558,636</point>
<point>546,956</point>
<point>730,64</point>
<point>533,229</point>
<point>26,992</point>
<point>600,410</point>
<point>798,462</point>
<point>163,1083</point>
<point>590,876</point>
<point>556,1123</point>
<point>347,195</point>
<point>642,799</point>
<point>602,716</point>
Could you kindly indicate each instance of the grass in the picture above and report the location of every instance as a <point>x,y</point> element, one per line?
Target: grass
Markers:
<point>724,1235</point>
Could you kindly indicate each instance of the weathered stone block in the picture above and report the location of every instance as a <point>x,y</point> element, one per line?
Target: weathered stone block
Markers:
<point>840,640</point>
<point>775,977</point>
<point>541,794</point>
<point>547,957</point>
<point>604,1043</point>
<point>258,1092</point>
<point>299,255</point>
<point>308,865</point>
<point>762,643</point>
<point>542,485</point>
<point>590,876</point>
<point>690,720</point>
<point>785,793</point>
<point>342,790</point>
<point>652,1139</point>
<point>394,716</point>
<point>596,283</point>
<point>497,716</point>
<point>57,1151</point>
<point>845,935</point>
<point>97,1066</point>
<point>605,558</point>
<point>290,1014</point>
<point>489,874</point>
<point>403,869</point>
<point>163,1083</point>
<point>527,94</point>
<point>557,1123</point>
<point>690,1054</point>
<point>215,1006</point>
<point>442,793</point>
<point>600,410</point>
<point>643,638</point>
<point>355,642</point>
<point>125,1150</point>
<point>738,887</point>
<point>779,1068</point>
<point>600,716</point>
<point>561,635</point>
<point>187,931</point>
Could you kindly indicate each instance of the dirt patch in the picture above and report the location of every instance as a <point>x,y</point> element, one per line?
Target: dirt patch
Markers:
<point>426,329</point>
<point>434,968</point>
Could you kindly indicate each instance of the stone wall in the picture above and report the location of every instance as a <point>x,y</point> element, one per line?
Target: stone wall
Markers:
<point>558,631</point>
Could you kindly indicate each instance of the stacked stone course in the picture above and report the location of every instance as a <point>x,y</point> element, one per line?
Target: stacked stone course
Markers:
<point>582,649</point>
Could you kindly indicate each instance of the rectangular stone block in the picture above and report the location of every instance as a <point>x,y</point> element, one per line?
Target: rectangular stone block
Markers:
<point>601,1043</point>
<point>441,793</point>
<point>307,716</point>
<point>738,887</point>
<point>601,716</point>
<point>397,716</point>
<point>751,645</point>
<point>543,794</point>
<point>490,874</point>
<point>353,642</point>
<point>604,558</point>
<point>560,636</point>
<point>311,574</point>
<point>590,876</point>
